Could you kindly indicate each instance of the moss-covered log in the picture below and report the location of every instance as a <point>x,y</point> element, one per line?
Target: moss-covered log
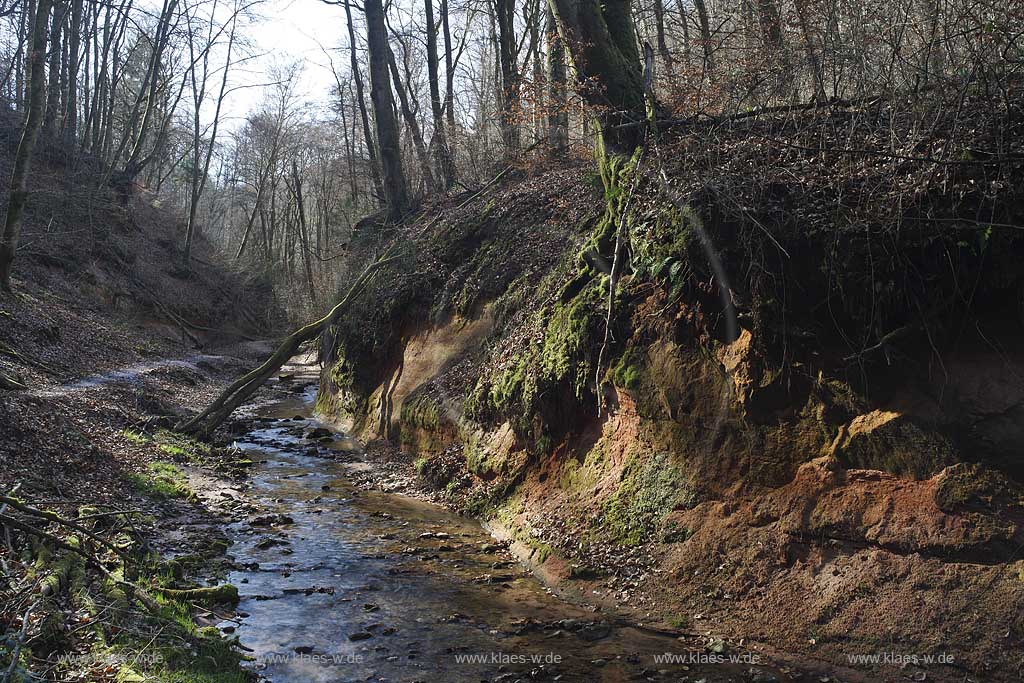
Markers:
<point>224,594</point>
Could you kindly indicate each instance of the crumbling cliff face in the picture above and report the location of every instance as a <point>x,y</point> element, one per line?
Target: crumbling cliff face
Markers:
<point>802,421</point>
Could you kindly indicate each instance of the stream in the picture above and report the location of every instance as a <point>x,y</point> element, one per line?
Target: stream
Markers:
<point>344,584</point>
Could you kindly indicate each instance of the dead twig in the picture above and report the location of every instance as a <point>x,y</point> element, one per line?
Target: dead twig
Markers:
<point>19,643</point>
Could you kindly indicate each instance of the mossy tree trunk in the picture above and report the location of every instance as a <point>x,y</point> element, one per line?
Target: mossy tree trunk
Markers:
<point>558,103</point>
<point>600,38</point>
<point>36,85</point>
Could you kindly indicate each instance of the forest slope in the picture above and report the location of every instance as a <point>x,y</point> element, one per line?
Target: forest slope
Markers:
<point>110,335</point>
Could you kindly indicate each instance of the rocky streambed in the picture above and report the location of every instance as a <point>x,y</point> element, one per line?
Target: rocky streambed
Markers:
<point>341,582</point>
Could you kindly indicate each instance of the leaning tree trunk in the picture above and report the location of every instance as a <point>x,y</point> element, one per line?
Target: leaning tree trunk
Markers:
<point>241,389</point>
<point>412,125</point>
<point>36,85</point>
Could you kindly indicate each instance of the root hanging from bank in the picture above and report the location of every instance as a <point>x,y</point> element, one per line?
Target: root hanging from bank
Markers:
<point>204,424</point>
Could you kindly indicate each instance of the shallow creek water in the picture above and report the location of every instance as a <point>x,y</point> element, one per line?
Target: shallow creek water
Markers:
<point>354,585</point>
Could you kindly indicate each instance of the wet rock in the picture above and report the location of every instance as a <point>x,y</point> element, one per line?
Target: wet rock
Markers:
<point>270,543</point>
<point>717,645</point>
<point>303,649</point>
<point>325,590</point>
<point>370,607</point>
<point>317,433</point>
<point>359,635</point>
<point>596,631</point>
<point>494,578</point>
<point>271,520</point>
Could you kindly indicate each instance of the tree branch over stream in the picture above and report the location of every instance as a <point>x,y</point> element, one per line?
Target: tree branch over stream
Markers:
<point>245,386</point>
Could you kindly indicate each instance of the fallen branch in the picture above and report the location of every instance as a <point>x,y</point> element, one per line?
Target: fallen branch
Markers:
<point>133,589</point>
<point>18,644</point>
<point>10,384</point>
<point>51,517</point>
<point>241,389</point>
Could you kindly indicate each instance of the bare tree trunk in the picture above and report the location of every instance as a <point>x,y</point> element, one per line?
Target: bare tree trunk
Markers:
<point>200,173</point>
<point>439,143</point>
<point>74,47</point>
<point>26,145</point>
<point>412,125</point>
<point>557,100</point>
<point>371,147</point>
<point>772,37</point>
<point>705,37</point>
<point>812,53</point>
<point>509,71</point>
<point>346,139</point>
<point>659,24</point>
<point>53,87</point>
<point>396,192</point>
<point>148,91</point>
<point>449,84</point>
<point>25,21</point>
<point>303,230</point>
<point>684,21</point>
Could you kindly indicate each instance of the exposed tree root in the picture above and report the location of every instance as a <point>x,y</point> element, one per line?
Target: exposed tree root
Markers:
<point>240,390</point>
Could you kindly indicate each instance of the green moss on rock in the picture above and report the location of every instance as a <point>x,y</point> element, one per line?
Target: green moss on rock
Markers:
<point>652,486</point>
